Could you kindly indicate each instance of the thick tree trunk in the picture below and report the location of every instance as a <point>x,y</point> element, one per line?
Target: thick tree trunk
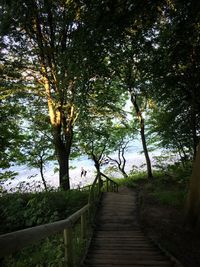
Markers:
<point>142,133</point>
<point>63,160</point>
<point>193,200</point>
<point>63,154</point>
<point>62,121</point>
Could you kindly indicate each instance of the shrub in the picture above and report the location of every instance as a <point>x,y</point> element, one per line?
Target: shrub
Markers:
<point>19,211</point>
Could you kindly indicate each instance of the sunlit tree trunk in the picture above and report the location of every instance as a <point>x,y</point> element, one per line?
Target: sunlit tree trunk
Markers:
<point>62,120</point>
<point>193,200</point>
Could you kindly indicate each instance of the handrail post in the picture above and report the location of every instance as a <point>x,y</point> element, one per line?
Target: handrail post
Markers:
<point>68,244</point>
<point>99,184</point>
<point>83,226</point>
<point>107,185</point>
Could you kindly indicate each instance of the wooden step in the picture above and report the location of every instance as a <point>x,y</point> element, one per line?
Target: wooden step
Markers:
<point>132,262</point>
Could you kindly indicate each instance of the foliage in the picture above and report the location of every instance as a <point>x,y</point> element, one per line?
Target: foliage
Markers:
<point>49,251</point>
<point>174,63</point>
<point>173,169</point>
<point>20,211</point>
<point>133,180</point>
<point>101,119</point>
<point>7,175</point>
<point>12,137</point>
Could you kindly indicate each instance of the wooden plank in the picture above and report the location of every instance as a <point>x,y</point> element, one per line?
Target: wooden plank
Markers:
<point>127,257</point>
<point>140,262</point>
<point>126,265</point>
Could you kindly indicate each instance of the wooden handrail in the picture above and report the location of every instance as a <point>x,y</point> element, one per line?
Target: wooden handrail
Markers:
<point>91,195</point>
<point>115,189</point>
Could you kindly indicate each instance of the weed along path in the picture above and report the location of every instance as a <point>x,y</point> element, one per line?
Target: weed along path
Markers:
<point>118,240</point>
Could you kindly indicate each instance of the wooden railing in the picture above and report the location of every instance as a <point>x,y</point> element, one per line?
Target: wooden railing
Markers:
<point>111,186</point>
<point>15,241</point>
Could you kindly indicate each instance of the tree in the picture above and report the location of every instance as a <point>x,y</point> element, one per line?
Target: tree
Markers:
<point>174,64</point>
<point>94,142</point>
<point>38,152</point>
<point>11,137</point>
<point>175,68</point>
<point>170,129</point>
<point>121,135</point>
<point>45,36</point>
<point>57,45</point>
<point>11,112</point>
<point>129,60</point>
<point>96,135</point>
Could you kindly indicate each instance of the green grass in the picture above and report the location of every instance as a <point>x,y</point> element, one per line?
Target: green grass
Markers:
<point>164,189</point>
<point>133,180</point>
<point>170,198</point>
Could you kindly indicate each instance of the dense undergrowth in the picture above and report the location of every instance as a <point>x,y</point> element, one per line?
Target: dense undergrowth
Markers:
<point>19,211</point>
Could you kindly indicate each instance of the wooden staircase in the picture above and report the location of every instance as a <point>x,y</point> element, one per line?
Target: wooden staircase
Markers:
<point>118,240</point>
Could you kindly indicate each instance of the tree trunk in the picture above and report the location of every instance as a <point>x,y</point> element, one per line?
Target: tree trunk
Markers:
<point>193,200</point>
<point>42,174</point>
<point>144,144</point>
<point>63,160</point>
<point>123,162</point>
<point>63,154</point>
<point>62,121</point>
<point>194,130</point>
<point>96,164</point>
<point>142,133</point>
<point>123,172</point>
